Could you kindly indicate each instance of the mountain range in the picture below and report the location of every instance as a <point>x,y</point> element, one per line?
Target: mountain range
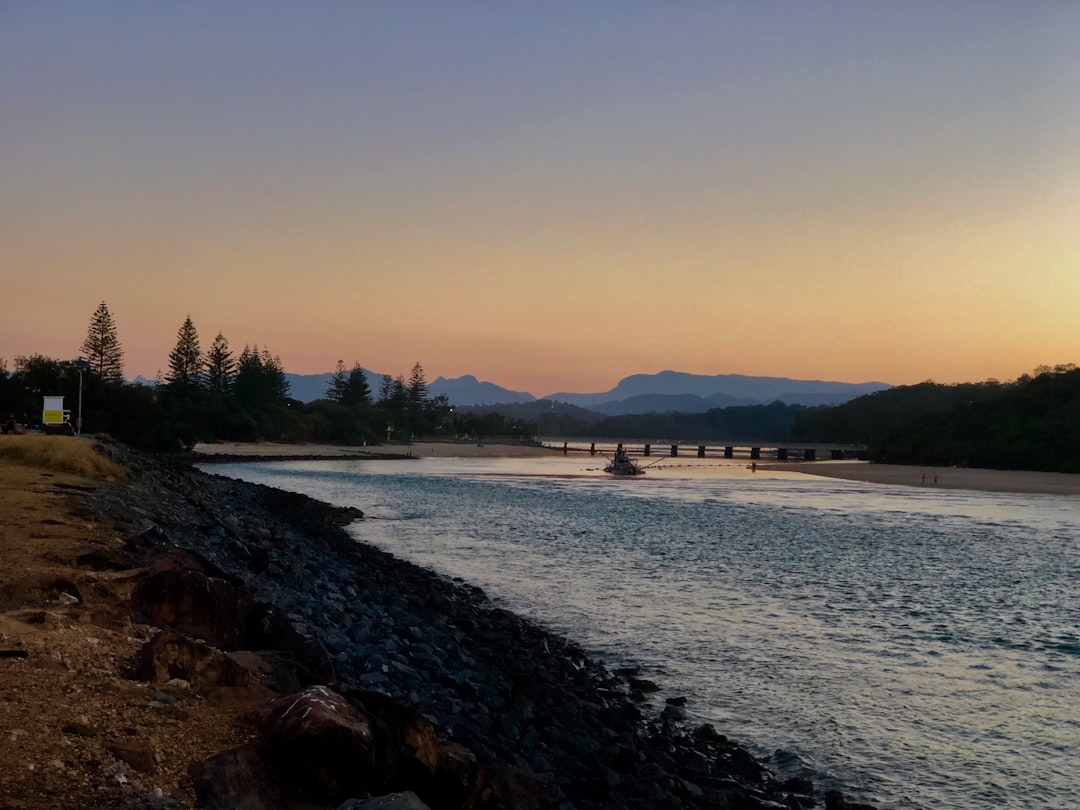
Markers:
<point>666,391</point>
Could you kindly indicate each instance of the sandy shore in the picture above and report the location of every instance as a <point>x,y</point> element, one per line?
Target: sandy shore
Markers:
<point>422,449</point>
<point>939,477</point>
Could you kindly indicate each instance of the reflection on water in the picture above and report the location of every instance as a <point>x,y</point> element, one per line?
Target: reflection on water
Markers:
<point>919,646</point>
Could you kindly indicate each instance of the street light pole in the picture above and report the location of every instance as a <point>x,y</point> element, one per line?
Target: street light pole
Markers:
<point>81,365</point>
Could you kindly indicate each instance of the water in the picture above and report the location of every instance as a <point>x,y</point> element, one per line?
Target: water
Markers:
<point>918,648</point>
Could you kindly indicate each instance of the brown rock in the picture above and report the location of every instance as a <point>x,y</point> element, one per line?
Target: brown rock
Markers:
<point>171,655</point>
<point>320,746</point>
<point>237,779</point>
<point>193,603</point>
<point>137,755</point>
<point>519,789</point>
<point>458,780</point>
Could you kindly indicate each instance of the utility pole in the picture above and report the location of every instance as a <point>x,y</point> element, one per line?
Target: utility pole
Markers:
<point>82,366</point>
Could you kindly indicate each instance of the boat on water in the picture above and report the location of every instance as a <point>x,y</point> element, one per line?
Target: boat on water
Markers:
<point>622,464</point>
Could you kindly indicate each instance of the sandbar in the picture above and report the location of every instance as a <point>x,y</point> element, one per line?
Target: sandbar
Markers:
<point>1020,481</point>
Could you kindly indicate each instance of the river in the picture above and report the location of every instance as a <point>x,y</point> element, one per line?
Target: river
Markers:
<point>918,648</point>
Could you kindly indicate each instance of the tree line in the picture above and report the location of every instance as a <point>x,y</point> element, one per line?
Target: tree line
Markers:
<point>1029,423</point>
<point>216,394</point>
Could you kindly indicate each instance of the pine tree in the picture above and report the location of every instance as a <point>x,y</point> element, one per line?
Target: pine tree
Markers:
<point>386,389</point>
<point>337,390</point>
<point>101,349</point>
<point>260,378</point>
<point>220,368</point>
<point>185,360</point>
<point>356,387</point>
<point>276,383</point>
<point>417,386</point>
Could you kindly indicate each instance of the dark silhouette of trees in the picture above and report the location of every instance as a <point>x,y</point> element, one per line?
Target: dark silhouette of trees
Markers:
<point>417,386</point>
<point>339,382</point>
<point>220,366</point>
<point>260,378</point>
<point>101,349</point>
<point>357,393</point>
<point>1034,424</point>
<point>186,359</point>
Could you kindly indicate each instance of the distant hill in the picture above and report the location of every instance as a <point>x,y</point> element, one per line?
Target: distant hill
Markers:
<point>665,392</point>
<point>467,390</point>
<point>731,389</point>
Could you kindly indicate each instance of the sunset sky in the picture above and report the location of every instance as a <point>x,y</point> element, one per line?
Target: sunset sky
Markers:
<point>548,195</point>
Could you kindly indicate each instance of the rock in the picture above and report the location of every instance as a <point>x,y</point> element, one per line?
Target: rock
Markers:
<point>268,628</point>
<point>643,685</point>
<point>96,557</point>
<point>194,604</point>
<point>171,655</point>
<point>79,729</point>
<point>406,743</point>
<point>458,777</point>
<point>320,745</point>
<point>519,789</point>
<point>273,669</point>
<point>138,755</point>
<point>796,784</point>
<point>237,779</point>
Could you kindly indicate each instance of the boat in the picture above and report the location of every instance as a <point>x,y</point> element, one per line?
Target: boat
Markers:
<point>622,464</point>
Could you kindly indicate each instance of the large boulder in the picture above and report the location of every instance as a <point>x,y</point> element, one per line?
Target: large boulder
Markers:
<point>192,603</point>
<point>171,655</point>
<point>268,628</point>
<point>320,746</point>
<point>236,779</point>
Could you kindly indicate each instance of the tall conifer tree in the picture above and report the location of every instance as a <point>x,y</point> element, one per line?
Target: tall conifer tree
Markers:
<point>185,360</point>
<point>101,349</point>
<point>357,391</point>
<point>339,384</point>
<point>220,368</point>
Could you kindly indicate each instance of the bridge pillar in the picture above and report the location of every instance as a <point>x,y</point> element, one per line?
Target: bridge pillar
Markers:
<point>729,452</point>
<point>674,450</point>
<point>809,454</point>
<point>648,450</point>
<point>755,453</point>
<point>781,453</point>
<point>701,451</point>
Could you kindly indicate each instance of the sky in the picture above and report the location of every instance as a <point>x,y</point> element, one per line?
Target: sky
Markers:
<point>548,195</point>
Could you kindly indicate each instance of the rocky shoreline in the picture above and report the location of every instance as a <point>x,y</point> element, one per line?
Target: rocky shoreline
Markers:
<point>374,677</point>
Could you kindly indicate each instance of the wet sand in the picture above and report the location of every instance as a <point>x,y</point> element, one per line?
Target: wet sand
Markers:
<point>1020,481</point>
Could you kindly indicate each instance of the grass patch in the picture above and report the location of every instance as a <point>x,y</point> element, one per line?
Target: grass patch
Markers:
<point>60,454</point>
